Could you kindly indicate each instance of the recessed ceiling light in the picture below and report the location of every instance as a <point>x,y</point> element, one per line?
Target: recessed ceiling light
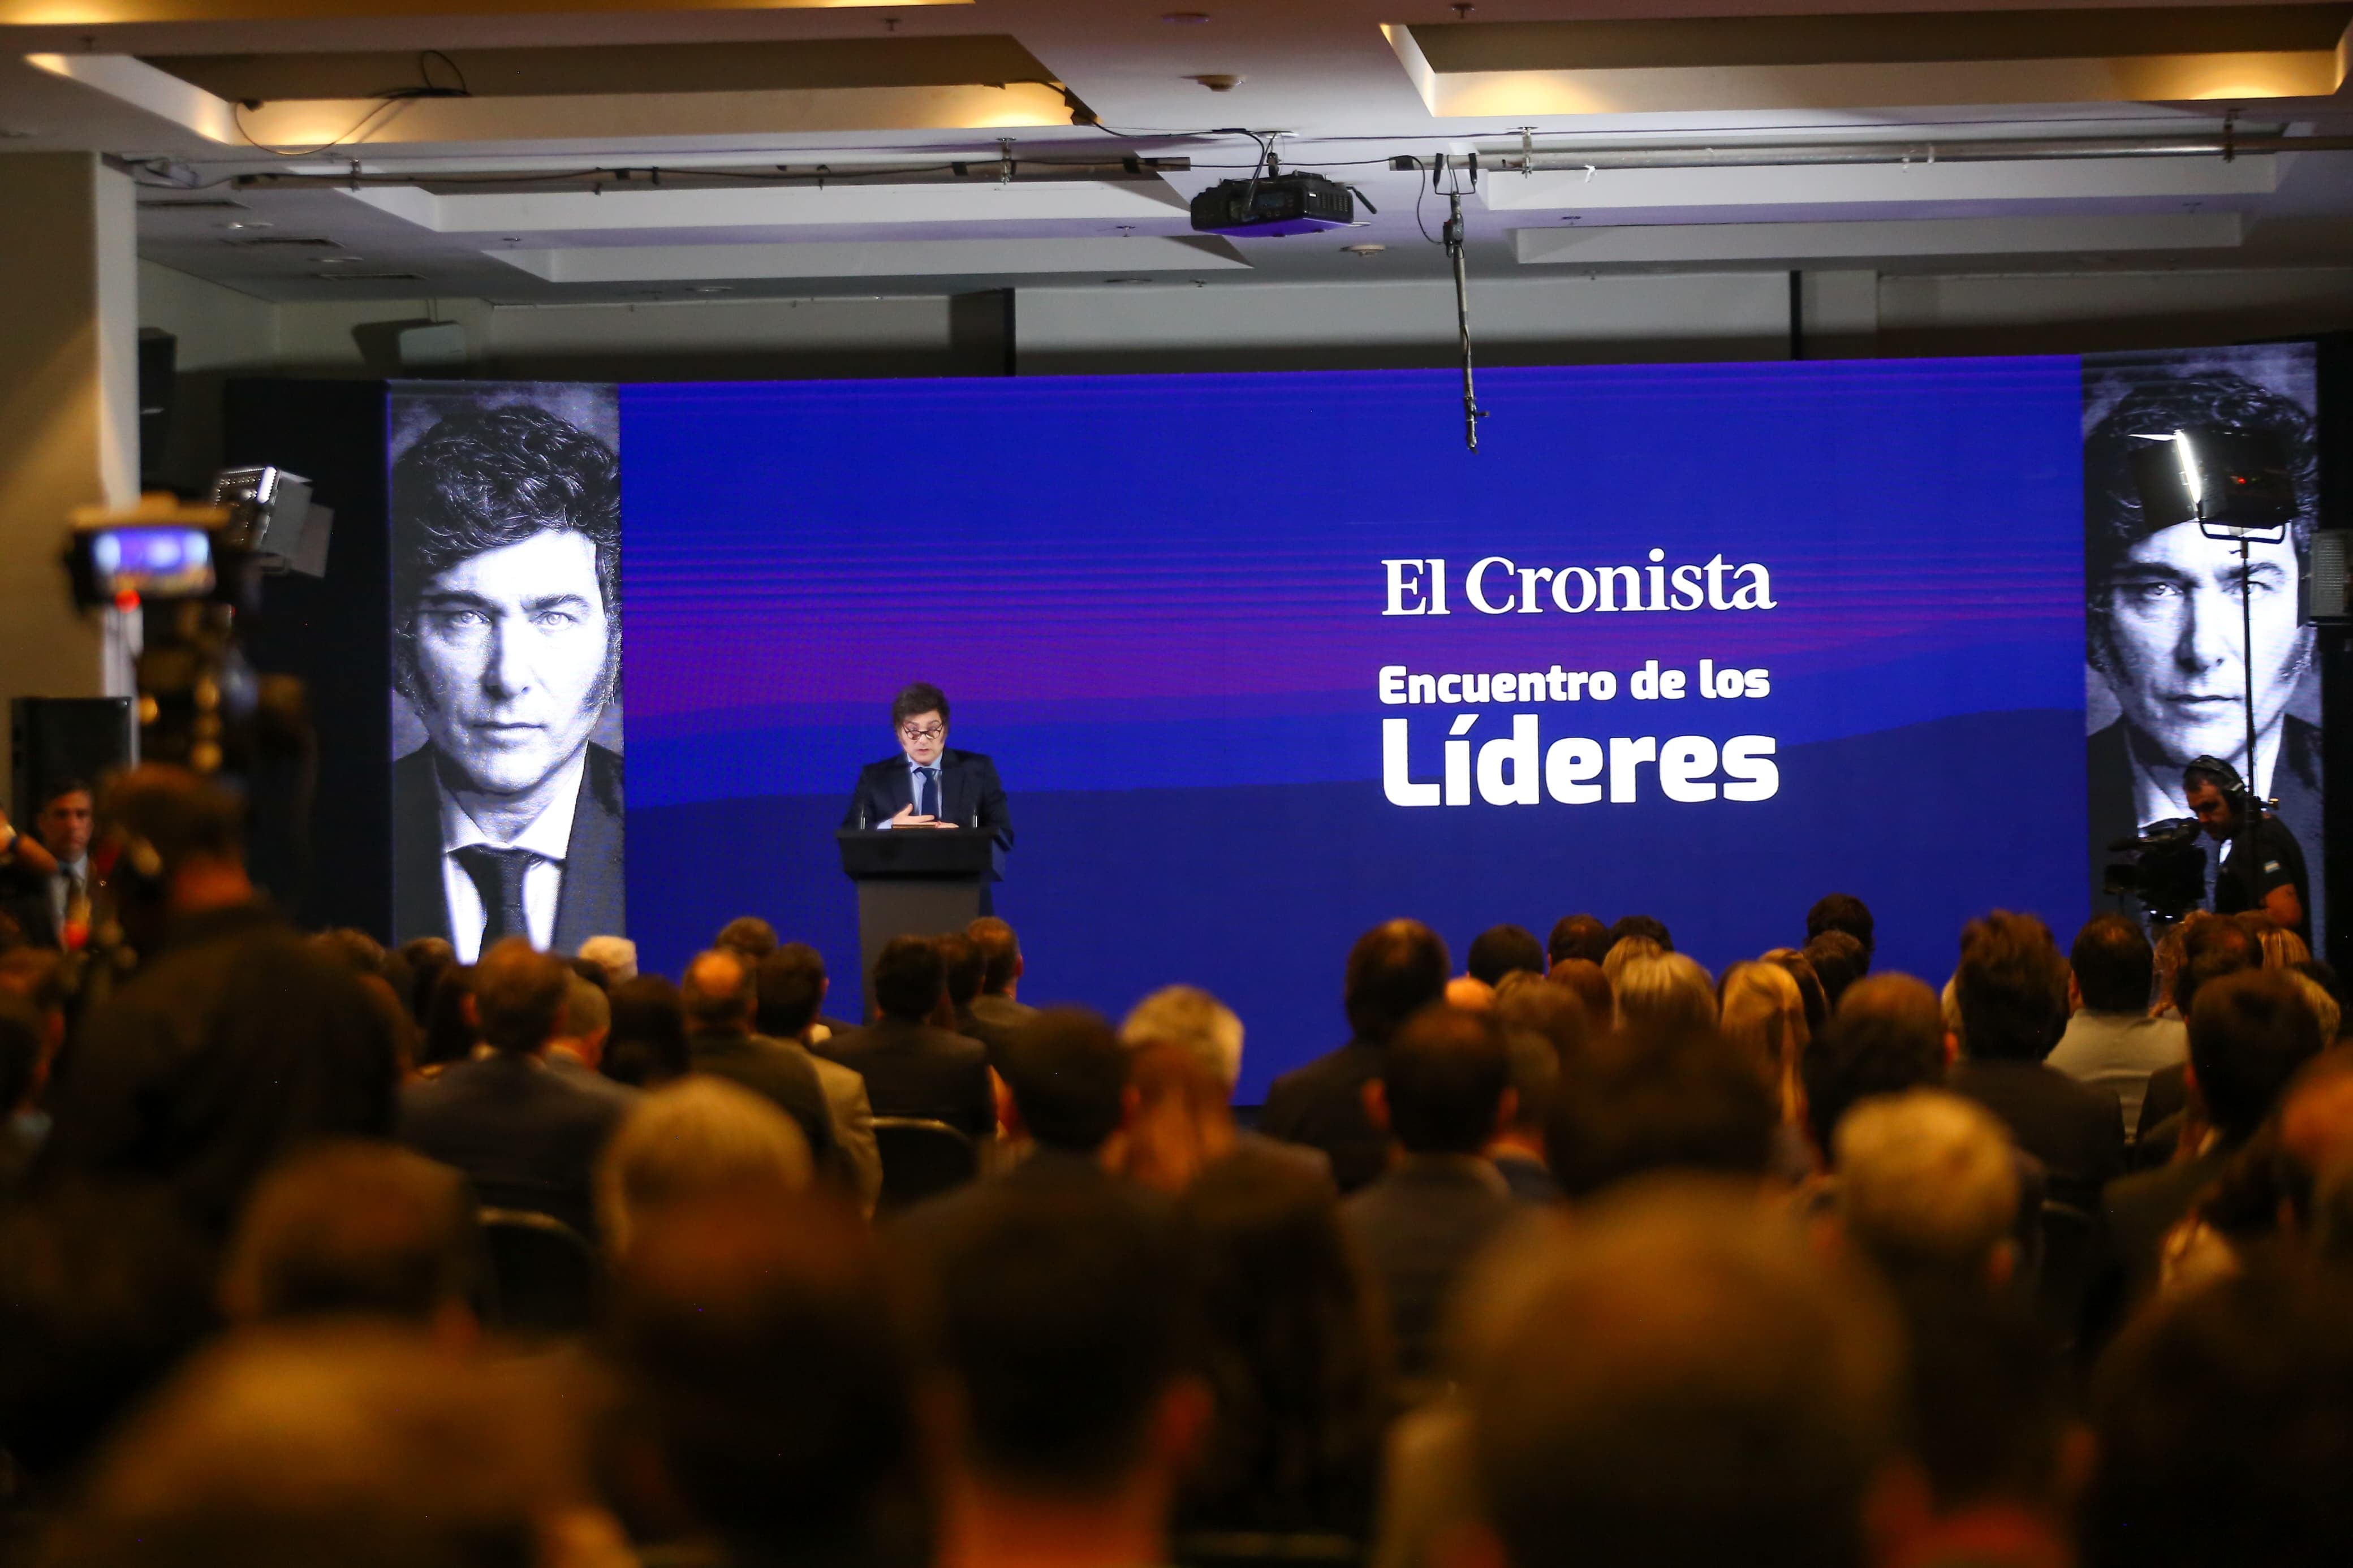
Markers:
<point>1127,280</point>
<point>1217,82</point>
<point>713,289</point>
<point>1369,248</point>
<point>341,260</point>
<point>247,223</point>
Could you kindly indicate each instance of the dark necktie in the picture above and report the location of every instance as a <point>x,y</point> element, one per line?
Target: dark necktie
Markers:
<point>929,805</point>
<point>498,877</point>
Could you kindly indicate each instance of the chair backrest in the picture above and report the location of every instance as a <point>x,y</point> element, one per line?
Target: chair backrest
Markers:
<point>2070,1247</point>
<point>920,1158</point>
<point>544,1276</point>
<point>1251,1549</point>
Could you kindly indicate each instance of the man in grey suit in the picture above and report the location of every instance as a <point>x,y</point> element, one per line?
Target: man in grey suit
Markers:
<point>791,985</point>
<point>507,643</point>
<point>998,1008</point>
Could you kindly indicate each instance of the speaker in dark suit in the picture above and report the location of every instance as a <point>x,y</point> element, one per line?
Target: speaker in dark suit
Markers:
<point>926,782</point>
<point>507,641</point>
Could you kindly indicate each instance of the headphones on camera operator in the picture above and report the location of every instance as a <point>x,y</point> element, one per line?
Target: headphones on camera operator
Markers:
<point>2225,778</point>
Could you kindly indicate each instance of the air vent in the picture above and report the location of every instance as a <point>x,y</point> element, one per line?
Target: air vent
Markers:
<point>194,204</point>
<point>368,277</point>
<point>298,241</point>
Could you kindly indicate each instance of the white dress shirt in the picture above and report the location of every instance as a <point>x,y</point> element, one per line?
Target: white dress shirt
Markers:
<point>549,836</point>
<point>61,886</point>
<point>915,785</point>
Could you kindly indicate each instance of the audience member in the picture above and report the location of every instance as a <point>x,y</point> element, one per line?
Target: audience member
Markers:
<point>2249,1033</point>
<point>1647,927</point>
<point>748,937</point>
<point>24,1053</point>
<point>346,1226</point>
<point>526,1136</point>
<point>1295,1352</point>
<point>1928,1191</point>
<point>1394,971</point>
<point>1888,1037</point>
<point>764,1374</point>
<point>234,1042</point>
<point>1765,1016</point>
<point>998,1006</point>
<point>353,948</point>
<point>100,1297</point>
<point>1064,1093</point>
<point>720,998</point>
<point>1468,991</point>
<point>1583,979</point>
<point>2281,948</point>
<point>1810,987</point>
<point>688,1142</point>
<point>1500,950</point>
<point>2211,946</point>
<point>2111,1041</point>
<point>362,1445</point>
<point>1184,1056</point>
<point>913,1068</point>
<point>1682,1385</point>
<point>1664,991</point>
<point>1846,913</point>
<point>2012,991</point>
<point>1645,1102</point>
<point>962,967</point>
<point>1542,1027</point>
<point>791,984</point>
<point>1578,937</point>
<point>647,1046</point>
<point>1625,950</point>
<point>2323,1006</point>
<point>427,957</point>
<point>2225,1424</point>
<point>1062,1340</point>
<point>448,1033</point>
<point>1838,960</point>
<point>1444,1094</point>
<point>50,895</point>
<point>616,955</point>
<point>577,1053</point>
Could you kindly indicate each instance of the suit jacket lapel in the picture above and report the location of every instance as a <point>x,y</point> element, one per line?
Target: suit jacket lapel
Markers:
<point>591,902</point>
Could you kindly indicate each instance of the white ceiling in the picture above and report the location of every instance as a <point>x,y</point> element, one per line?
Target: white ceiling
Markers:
<point>1319,72</point>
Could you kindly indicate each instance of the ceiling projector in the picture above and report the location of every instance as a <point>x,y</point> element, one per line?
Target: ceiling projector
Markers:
<point>1277,203</point>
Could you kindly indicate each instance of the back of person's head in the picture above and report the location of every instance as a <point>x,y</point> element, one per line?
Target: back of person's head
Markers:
<point>101,1294</point>
<point>1395,970</point>
<point>616,955</point>
<point>2012,988</point>
<point>449,1032</point>
<point>24,1043</point>
<point>1648,1102</point>
<point>963,966</point>
<point>687,1141</point>
<point>352,1226</point>
<point>1068,1076</point>
<point>1838,960</point>
<point>1843,912</point>
<point>1665,991</point>
<point>2249,1033</point>
<point>1991,1406</point>
<point>1810,985</point>
<point>748,935</point>
<point>647,1047</point>
<point>1888,1035</point>
<point>1444,1078</point>
<point>1765,1015</point>
<point>1577,936</point>
<point>2313,1136</point>
<point>1584,979</point>
<point>1000,954</point>
<point>1293,1345</point>
<point>2282,948</point>
<point>1189,1017</point>
<point>791,984</point>
<point>758,1354</point>
<point>1548,1010</point>
<point>519,995</point>
<point>2224,1423</point>
<point>909,978</point>
<point>718,992</point>
<point>2325,1010</point>
<point>39,974</point>
<point>1499,950</point>
<point>359,1444</point>
<point>1064,1319</point>
<point>1650,928</point>
<point>2114,965</point>
<point>1684,1386</point>
<point>352,948</point>
<point>1928,1184</point>
<point>429,958</point>
<point>2211,947</point>
<point>588,1010</point>
<point>1626,951</point>
<point>169,818</point>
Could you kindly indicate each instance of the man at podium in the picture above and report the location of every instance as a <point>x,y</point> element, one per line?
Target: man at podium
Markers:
<point>927,784</point>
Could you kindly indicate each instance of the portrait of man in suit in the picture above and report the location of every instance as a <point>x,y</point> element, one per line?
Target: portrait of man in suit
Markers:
<point>928,784</point>
<point>507,644</point>
<point>2165,630</point>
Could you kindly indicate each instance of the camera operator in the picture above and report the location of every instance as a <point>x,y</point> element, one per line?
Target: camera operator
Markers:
<point>2262,869</point>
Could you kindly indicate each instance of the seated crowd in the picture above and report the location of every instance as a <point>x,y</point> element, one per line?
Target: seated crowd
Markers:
<point>312,1251</point>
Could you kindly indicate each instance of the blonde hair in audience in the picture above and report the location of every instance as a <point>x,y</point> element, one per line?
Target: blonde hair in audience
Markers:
<point>698,1135</point>
<point>2283,949</point>
<point>1665,990</point>
<point>1189,1016</point>
<point>1765,1012</point>
<point>1927,1177</point>
<point>2324,1006</point>
<point>1625,950</point>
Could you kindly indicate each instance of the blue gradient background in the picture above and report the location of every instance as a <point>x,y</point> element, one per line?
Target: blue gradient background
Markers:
<point>1154,601</point>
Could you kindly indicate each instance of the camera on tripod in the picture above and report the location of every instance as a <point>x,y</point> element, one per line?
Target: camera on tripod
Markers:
<point>2167,872</point>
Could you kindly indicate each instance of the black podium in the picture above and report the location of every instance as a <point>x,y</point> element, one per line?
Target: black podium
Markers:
<point>916,881</point>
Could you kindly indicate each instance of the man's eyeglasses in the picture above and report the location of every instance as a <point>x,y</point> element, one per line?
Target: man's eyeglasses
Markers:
<point>929,732</point>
